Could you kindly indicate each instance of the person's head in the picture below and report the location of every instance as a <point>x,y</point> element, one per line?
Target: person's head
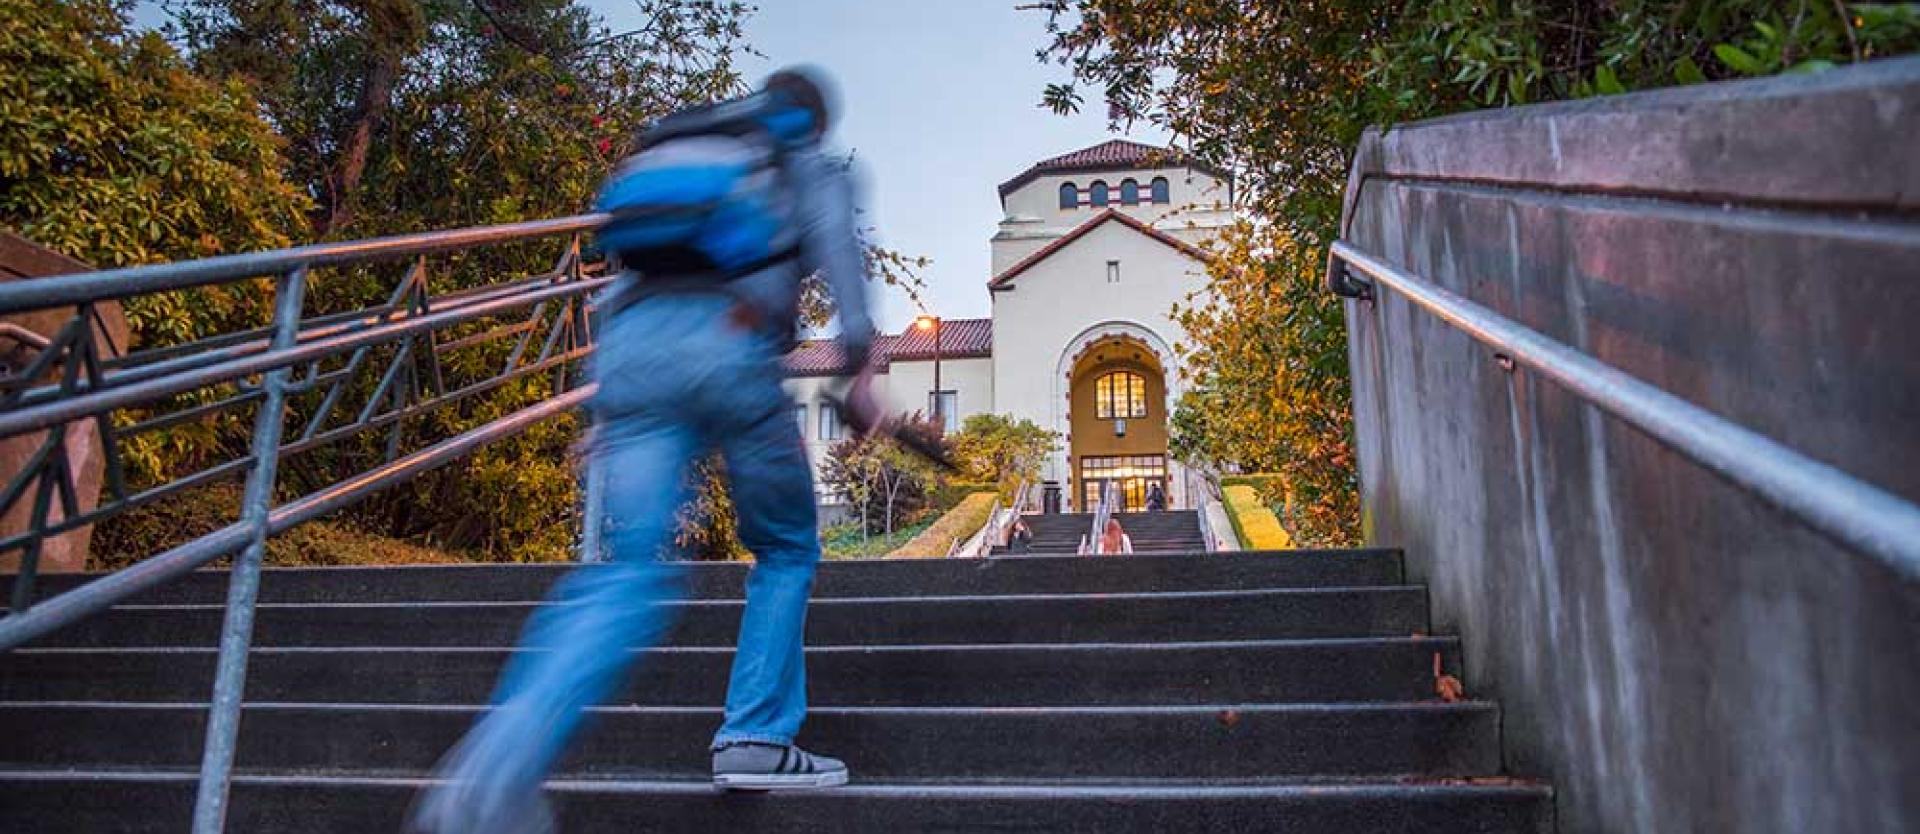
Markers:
<point>807,97</point>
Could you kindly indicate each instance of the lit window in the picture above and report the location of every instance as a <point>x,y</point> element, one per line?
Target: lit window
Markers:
<point>1129,192</point>
<point>1161,190</point>
<point>1099,192</point>
<point>1113,272</point>
<point>829,422</point>
<point>1069,195</point>
<point>1120,395</point>
<point>947,405</point>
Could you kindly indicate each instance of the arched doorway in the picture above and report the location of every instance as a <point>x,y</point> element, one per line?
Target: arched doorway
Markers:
<point>1117,421</point>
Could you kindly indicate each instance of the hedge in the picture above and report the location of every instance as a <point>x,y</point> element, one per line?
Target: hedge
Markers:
<point>961,522</point>
<point>1255,524</point>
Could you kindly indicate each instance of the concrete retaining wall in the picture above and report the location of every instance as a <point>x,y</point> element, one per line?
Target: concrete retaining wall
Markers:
<point>1673,654</point>
<point>24,260</point>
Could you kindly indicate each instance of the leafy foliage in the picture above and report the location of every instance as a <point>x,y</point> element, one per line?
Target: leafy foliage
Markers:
<point>1275,397</point>
<point>410,115</point>
<point>113,151</point>
<point>1279,94</point>
<point>458,112</point>
<point>886,483</point>
<point>709,531</point>
<point>998,449</point>
<point>956,524</point>
<point>1253,523</point>
<point>854,541</point>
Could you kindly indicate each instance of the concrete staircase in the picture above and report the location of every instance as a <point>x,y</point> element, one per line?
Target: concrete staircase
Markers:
<point>1236,692</point>
<point>1169,531</point>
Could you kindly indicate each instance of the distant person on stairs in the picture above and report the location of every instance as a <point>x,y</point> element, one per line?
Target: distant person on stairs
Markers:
<point>1020,541</point>
<point>718,216</point>
<point>1114,539</point>
<point>1156,498</point>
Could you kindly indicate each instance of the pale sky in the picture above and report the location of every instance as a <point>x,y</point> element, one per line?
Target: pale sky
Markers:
<point>940,104</point>
<point>940,99</point>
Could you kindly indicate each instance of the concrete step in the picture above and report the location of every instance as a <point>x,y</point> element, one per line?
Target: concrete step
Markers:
<point>62,801</point>
<point>915,744</point>
<point>1280,671</point>
<point>1383,611</point>
<point>857,578</point>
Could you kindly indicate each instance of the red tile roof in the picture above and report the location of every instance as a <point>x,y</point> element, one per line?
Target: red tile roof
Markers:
<point>1111,155</point>
<point>959,339</point>
<point>820,357</point>
<point>1000,281</point>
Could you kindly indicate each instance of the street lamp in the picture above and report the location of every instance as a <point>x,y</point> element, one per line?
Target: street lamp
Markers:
<point>932,323</point>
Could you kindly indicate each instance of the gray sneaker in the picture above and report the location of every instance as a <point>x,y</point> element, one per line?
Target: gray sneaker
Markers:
<point>773,767</point>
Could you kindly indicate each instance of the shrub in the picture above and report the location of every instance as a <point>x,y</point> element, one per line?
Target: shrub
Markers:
<point>998,449</point>
<point>1257,526</point>
<point>155,527</point>
<point>948,495</point>
<point>885,483</point>
<point>961,522</point>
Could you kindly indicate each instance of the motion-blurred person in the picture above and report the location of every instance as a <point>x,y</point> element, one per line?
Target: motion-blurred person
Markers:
<point>716,217</point>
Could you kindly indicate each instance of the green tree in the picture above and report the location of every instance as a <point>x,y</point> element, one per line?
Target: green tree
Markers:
<point>113,151</point>
<point>885,482</point>
<point>1263,338</point>
<point>411,115</point>
<point>998,449</point>
<point>1279,93</point>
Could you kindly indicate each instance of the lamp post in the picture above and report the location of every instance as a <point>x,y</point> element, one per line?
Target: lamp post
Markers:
<point>932,323</point>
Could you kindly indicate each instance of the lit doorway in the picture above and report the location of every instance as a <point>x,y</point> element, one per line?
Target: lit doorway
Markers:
<point>1133,477</point>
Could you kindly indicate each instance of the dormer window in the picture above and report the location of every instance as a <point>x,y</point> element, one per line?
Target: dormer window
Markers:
<point>1099,192</point>
<point>1162,190</point>
<point>1069,195</point>
<point>1129,192</point>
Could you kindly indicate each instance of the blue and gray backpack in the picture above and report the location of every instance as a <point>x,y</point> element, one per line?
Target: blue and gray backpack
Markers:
<point>703,194</point>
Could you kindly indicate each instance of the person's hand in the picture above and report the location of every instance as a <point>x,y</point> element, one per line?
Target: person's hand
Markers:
<point>863,408</point>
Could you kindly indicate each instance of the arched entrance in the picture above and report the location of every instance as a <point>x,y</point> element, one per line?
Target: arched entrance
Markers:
<point>1117,421</point>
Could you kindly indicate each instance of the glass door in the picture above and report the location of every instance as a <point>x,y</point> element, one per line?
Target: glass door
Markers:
<point>1133,476</point>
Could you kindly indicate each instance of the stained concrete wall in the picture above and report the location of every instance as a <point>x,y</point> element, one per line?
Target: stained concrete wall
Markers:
<point>1671,653</point>
<point>24,260</point>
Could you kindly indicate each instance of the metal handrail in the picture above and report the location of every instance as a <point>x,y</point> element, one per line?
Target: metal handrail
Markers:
<point>999,521</point>
<point>1850,511</point>
<point>1202,488</point>
<point>1101,514</point>
<point>108,284</point>
<point>268,368</point>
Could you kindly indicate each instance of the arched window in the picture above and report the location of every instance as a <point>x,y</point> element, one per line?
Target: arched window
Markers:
<point>1069,195</point>
<point>1099,192</point>
<point>1120,395</point>
<point>1161,190</point>
<point>1129,192</point>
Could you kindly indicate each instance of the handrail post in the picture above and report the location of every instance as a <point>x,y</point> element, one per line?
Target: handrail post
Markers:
<point>243,586</point>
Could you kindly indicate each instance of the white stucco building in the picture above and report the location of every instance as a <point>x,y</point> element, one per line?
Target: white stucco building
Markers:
<point>1096,248</point>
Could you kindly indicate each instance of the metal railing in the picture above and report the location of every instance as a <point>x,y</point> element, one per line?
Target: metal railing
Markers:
<point>1202,486</point>
<point>311,382</point>
<point>1853,513</point>
<point>1095,542</point>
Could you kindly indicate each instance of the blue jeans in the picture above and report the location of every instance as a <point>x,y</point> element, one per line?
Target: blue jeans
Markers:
<point>678,378</point>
